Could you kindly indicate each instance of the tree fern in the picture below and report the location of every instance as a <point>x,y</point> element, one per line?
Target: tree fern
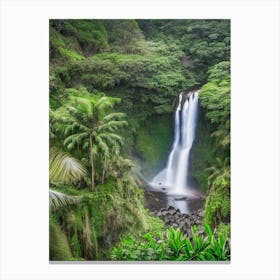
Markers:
<point>87,123</point>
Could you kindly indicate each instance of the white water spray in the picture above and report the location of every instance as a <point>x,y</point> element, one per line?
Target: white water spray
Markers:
<point>175,176</point>
<point>170,174</point>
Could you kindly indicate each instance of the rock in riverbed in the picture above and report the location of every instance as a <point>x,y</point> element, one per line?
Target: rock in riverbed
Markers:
<point>173,217</point>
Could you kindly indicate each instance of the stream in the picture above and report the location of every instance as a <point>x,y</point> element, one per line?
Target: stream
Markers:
<point>156,200</point>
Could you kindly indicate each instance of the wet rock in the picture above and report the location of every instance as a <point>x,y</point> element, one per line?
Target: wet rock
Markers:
<point>201,213</point>
<point>182,224</point>
<point>189,232</point>
<point>173,217</point>
<point>172,211</point>
<point>164,213</point>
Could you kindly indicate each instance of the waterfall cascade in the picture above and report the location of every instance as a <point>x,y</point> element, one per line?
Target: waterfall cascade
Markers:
<point>174,177</point>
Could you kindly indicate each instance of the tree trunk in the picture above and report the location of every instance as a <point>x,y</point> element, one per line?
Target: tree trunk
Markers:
<point>91,162</point>
<point>104,170</point>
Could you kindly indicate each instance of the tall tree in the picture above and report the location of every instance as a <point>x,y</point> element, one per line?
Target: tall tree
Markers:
<point>88,123</point>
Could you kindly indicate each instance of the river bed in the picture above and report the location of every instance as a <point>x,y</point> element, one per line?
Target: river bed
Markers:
<point>156,200</point>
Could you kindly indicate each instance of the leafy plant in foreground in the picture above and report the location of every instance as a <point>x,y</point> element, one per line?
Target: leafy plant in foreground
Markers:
<point>175,241</point>
<point>173,245</point>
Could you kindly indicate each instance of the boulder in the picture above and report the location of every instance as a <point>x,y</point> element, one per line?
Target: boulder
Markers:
<point>173,217</point>
<point>201,213</point>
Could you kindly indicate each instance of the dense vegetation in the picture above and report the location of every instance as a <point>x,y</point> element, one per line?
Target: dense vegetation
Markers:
<point>113,86</point>
<point>172,245</point>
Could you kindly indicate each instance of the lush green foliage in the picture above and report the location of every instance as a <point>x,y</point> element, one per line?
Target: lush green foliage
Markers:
<point>59,247</point>
<point>172,245</point>
<point>215,97</point>
<point>90,34</point>
<point>213,138</point>
<point>224,230</point>
<point>204,42</point>
<point>63,169</point>
<point>88,125</point>
<point>156,132</point>
<point>96,138</point>
<point>151,76</point>
<point>145,74</point>
<point>95,224</point>
<point>218,200</point>
<point>203,152</point>
<point>124,35</point>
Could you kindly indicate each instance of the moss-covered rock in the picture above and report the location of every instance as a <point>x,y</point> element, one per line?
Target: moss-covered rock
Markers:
<point>91,228</point>
<point>203,152</point>
<point>153,142</point>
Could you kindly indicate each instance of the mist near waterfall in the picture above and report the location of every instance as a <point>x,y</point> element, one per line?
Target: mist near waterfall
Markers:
<point>174,178</point>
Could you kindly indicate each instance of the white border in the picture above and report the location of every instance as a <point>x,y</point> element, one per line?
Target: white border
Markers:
<point>24,138</point>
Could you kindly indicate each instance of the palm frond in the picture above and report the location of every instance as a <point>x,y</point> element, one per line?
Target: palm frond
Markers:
<point>75,139</point>
<point>102,145</point>
<point>74,126</point>
<point>114,116</point>
<point>84,104</point>
<point>94,150</point>
<point>64,168</point>
<point>112,125</point>
<point>58,200</point>
<point>112,138</point>
<point>106,102</point>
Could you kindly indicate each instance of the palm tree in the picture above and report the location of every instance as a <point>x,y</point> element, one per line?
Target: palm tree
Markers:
<point>63,169</point>
<point>87,124</point>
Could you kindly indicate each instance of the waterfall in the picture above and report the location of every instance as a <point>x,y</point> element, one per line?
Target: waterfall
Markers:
<point>170,174</point>
<point>175,176</point>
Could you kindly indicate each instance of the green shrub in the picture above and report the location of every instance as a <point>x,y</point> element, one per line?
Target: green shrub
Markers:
<point>59,246</point>
<point>172,245</point>
<point>61,45</point>
<point>217,206</point>
<point>94,225</point>
<point>223,230</point>
<point>90,34</point>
